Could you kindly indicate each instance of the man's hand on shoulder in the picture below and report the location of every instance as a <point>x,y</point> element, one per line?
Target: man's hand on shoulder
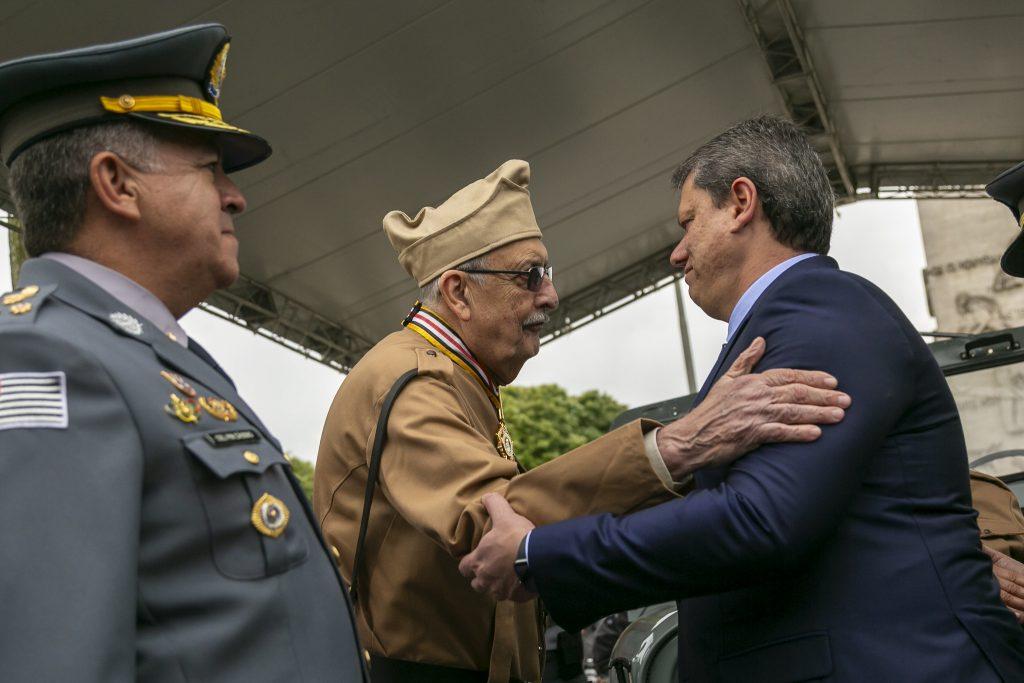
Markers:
<point>744,410</point>
<point>1010,575</point>
<point>491,566</point>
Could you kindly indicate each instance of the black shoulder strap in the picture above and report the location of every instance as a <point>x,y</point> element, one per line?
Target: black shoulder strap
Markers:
<point>373,472</point>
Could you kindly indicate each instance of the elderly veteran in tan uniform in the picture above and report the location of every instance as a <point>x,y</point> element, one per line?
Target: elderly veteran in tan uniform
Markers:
<point>487,290</point>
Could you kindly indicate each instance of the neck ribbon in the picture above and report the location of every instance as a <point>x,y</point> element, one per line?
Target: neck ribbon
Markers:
<point>441,336</point>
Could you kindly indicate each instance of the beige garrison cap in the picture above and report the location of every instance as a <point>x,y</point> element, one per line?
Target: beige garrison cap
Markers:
<point>479,218</point>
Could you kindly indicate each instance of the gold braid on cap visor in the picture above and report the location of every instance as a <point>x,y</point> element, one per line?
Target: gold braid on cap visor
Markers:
<point>126,104</point>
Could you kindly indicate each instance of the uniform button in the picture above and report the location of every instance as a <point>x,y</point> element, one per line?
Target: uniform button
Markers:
<point>366,656</point>
<point>431,353</point>
<point>126,101</point>
<point>251,457</point>
<point>172,336</point>
<point>336,552</point>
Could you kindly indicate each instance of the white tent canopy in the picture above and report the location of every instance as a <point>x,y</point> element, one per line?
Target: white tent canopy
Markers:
<point>373,106</point>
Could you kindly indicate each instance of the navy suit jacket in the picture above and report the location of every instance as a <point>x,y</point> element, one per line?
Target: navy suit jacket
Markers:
<point>853,558</point>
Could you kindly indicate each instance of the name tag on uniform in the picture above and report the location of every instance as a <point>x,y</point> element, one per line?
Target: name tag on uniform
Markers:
<point>230,438</point>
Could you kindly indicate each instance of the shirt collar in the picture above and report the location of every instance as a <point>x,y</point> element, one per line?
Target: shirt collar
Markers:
<point>127,291</point>
<point>754,292</point>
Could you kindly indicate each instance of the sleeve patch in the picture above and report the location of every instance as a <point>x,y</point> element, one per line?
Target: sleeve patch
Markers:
<point>33,400</point>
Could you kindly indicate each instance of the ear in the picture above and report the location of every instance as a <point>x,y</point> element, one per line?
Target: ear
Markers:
<point>115,185</point>
<point>744,201</point>
<point>454,285</point>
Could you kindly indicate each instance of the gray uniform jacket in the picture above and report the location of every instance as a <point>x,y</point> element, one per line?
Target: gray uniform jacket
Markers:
<point>131,535</point>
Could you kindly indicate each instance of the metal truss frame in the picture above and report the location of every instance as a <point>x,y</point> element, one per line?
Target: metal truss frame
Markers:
<point>782,44</point>
<point>940,180</point>
<point>285,321</point>
<point>612,293</point>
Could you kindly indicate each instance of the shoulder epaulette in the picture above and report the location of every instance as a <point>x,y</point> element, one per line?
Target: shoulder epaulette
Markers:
<point>23,304</point>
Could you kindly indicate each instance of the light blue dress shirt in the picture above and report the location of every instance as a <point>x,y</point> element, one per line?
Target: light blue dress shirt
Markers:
<point>754,292</point>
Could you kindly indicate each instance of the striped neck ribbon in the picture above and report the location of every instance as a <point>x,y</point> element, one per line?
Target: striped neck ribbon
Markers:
<point>440,334</point>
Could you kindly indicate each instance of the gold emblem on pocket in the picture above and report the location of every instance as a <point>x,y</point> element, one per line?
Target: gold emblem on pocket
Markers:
<point>218,408</point>
<point>269,516</point>
<point>186,411</point>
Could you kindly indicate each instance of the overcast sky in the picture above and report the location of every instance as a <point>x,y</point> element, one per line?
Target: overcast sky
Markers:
<point>634,354</point>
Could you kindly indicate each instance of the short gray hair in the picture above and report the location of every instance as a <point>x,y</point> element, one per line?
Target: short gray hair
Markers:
<point>49,181</point>
<point>430,293</point>
<point>791,182</point>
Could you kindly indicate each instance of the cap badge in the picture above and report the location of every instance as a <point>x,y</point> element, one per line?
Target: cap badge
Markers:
<point>126,322</point>
<point>179,383</point>
<point>20,295</point>
<point>218,70</point>
<point>185,410</point>
<point>269,516</point>
<point>218,408</point>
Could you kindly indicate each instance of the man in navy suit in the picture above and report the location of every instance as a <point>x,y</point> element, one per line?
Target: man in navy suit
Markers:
<point>854,558</point>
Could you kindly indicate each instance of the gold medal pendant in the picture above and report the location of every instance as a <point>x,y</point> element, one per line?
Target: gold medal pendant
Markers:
<point>503,442</point>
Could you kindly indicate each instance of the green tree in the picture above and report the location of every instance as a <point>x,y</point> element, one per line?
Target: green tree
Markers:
<point>303,471</point>
<point>545,421</point>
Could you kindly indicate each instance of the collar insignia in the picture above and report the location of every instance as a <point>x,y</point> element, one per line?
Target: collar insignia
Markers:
<point>126,322</point>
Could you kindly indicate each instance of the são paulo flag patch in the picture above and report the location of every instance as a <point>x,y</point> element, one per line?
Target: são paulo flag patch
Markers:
<point>33,400</point>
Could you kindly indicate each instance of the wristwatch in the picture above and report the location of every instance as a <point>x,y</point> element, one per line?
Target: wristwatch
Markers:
<point>522,567</point>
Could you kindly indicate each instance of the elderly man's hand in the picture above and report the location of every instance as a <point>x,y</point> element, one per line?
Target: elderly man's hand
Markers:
<point>1010,575</point>
<point>744,410</point>
<point>491,566</point>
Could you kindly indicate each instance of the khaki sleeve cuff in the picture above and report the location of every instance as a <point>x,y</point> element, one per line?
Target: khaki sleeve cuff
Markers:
<point>658,464</point>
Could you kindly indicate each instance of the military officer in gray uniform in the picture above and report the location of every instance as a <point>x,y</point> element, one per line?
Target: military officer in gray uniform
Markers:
<point>151,529</point>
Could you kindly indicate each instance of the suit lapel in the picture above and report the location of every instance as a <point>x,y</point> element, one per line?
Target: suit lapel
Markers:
<point>720,364</point>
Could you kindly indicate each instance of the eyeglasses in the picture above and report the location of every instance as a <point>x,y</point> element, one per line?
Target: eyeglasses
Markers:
<point>534,276</point>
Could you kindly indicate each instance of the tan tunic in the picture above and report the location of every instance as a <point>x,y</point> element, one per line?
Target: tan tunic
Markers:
<point>438,461</point>
<point>999,516</point>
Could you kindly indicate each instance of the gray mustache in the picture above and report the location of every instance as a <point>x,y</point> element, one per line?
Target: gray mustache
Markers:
<point>537,318</point>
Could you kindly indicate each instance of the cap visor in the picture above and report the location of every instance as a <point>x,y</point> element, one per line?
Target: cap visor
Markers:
<point>239,148</point>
